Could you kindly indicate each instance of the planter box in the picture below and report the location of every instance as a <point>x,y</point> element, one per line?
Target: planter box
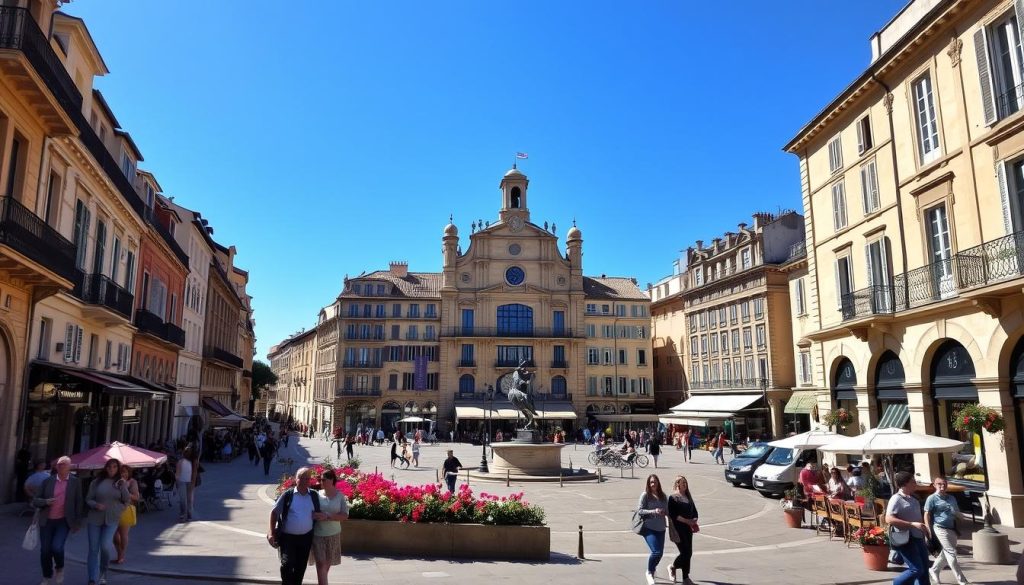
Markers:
<point>446,541</point>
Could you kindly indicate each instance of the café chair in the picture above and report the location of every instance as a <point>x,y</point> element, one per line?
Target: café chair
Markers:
<point>856,517</point>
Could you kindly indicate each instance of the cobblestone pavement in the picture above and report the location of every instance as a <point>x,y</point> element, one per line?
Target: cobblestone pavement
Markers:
<point>743,539</point>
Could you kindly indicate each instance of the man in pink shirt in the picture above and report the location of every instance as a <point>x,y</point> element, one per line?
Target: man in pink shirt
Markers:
<point>60,511</point>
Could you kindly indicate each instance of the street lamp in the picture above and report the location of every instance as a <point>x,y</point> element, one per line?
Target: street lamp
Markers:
<point>764,396</point>
<point>487,437</point>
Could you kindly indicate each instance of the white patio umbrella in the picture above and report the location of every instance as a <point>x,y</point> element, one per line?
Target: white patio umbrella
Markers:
<point>412,419</point>
<point>808,440</point>
<point>887,442</point>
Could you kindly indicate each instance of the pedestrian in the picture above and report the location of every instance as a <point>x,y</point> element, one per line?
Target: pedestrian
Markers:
<point>197,480</point>
<point>719,444</point>
<point>108,495</point>
<point>291,527</point>
<point>903,514</point>
<point>682,513</point>
<point>654,448</point>
<point>380,436</point>
<point>267,453</point>
<point>652,508</point>
<point>940,512</point>
<point>450,468</point>
<point>326,551</point>
<point>129,517</point>
<point>254,452</point>
<point>34,482</point>
<point>183,485</point>
<point>405,457</point>
<point>349,447</point>
<point>338,442</point>
<point>394,453</point>
<point>60,509</point>
<point>416,453</point>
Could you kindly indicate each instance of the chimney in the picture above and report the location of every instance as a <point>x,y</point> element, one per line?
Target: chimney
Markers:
<point>743,227</point>
<point>231,258</point>
<point>399,269</point>
<point>700,244</point>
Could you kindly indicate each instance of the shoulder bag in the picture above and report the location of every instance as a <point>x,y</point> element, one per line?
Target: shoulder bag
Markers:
<point>31,539</point>
<point>638,521</point>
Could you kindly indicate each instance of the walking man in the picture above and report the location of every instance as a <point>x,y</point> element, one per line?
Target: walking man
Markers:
<point>720,442</point>
<point>60,509</point>
<point>267,453</point>
<point>451,468</point>
<point>291,527</point>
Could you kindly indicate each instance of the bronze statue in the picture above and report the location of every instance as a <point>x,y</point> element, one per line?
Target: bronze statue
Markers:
<point>521,396</point>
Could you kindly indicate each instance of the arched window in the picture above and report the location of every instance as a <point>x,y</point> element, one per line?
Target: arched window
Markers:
<point>515,320</point>
<point>517,197</point>
<point>411,407</point>
<point>558,387</point>
<point>430,408</point>
<point>467,385</point>
<point>592,409</point>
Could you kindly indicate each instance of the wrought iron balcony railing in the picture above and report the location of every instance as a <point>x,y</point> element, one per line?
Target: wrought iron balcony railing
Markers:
<point>29,235</point>
<point>18,30</point>
<point>362,364</point>
<point>467,363</point>
<point>994,261</point>
<point>357,392</point>
<point>97,289</point>
<point>748,384</point>
<point>154,325</point>
<point>477,395</point>
<point>559,364</point>
<point>223,355</point>
<point>536,332</point>
<point>797,250</point>
<point>873,300</point>
<point>1010,101</point>
<point>513,364</point>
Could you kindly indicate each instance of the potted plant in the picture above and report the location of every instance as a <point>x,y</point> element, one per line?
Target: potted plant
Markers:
<point>838,417</point>
<point>875,542</point>
<point>791,509</point>
<point>975,418</point>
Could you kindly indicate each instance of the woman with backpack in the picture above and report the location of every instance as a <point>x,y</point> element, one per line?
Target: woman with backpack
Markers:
<point>652,509</point>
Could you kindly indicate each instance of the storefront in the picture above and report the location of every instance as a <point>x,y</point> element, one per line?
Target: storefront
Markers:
<point>1017,389</point>
<point>799,412</point>
<point>891,393</point>
<point>844,395</point>
<point>742,416</point>
<point>952,386</point>
<point>357,413</point>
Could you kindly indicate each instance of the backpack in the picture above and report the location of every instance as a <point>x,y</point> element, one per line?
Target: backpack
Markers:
<point>288,496</point>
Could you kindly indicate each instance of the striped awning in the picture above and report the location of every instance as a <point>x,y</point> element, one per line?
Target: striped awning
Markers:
<point>801,402</point>
<point>896,416</point>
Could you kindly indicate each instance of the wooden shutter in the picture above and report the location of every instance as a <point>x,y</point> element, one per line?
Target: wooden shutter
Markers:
<point>78,344</point>
<point>860,137</point>
<point>985,73</point>
<point>839,286</point>
<point>69,340</point>
<point>1004,196</point>
<point>865,188</point>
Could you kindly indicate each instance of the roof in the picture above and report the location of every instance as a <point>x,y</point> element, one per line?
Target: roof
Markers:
<point>102,103</point>
<point>131,143</point>
<point>612,287</point>
<point>415,285</point>
<point>88,37</point>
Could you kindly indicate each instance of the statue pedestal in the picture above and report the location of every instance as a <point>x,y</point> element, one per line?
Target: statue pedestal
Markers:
<point>991,547</point>
<point>527,436</point>
<point>538,459</point>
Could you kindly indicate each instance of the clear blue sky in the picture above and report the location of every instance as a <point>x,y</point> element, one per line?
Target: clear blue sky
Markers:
<point>328,138</point>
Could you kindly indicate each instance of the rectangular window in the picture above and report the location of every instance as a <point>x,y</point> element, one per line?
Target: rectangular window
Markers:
<point>467,321</point>
<point>414,310</point>
<point>838,205</point>
<point>608,390</point>
<point>15,172</point>
<point>645,386</point>
<point>732,315</point>
<point>367,310</point>
<point>703,321</point>
<point>396,331</point>
<point>748,369</point>
<point>115,260</point>
<point>605,309</point>
<point>606,355</point>
<point>412,333</point>
<point>805,367</point>
<point>381,311</point>
<point>81,233</point>
<point>353,310</point>
<point>641,357</point>
<point>392,381</point>
<point>714,344</point>
<point>758,308</point>
<point>591,308</point>
<point>396,310</point>
<point>592,386</point>
<point>623,385</point>
<point>799,299</point>
<point>1000,67</point>
<point>52,204</point>
<point>698,276</point>
<point>715,373</point>
<point>431,311</point>
<point>694,345</point>
<point>725,342</point>
<point>703,344</point>
<point>869,187</point>
<point>735,340</point>
<point>721,317</point>
<point>692,320</point>
<point>745,258</point>
<point>593,356</point>
<point>712,321</point>
<point>43,350</point>
<point>622,357</point>
<point>940,249</point>
<point>428,333</point>
<point>558,354</point>
<point>558,322</point>
<point>608,331</point>
<point>745,311</point>
<point>620,310</point>
<point>835,155</point>
<point>844,279</point>
<point>760,336</point>
<point>747,345</point>
<point>591,330</point>
<point>864,139</point>
<point>926,118</point>
<point>380,290</point>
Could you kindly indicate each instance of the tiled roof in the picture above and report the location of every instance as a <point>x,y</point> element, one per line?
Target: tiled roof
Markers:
<point>415,285</point>
<point>612,287</point>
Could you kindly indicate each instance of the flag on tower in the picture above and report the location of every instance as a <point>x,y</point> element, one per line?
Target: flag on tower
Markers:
<point>522,155</point>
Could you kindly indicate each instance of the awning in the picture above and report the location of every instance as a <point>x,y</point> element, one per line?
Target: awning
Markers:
<point>110,384</point>
<point>479,412</point>
<point>187,412</point>
<point>801,402</point>
<point>691,421</point>
<point>158,391</point>
<point>627,417</point>
<point>214,406</point>
<point>895,416</point>
<point>714,405</point>
<point>231,420</point>
<point>555,411</point>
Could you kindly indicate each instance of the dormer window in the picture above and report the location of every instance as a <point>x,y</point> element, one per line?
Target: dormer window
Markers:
<point>128,166</point>
<point>150,195</point>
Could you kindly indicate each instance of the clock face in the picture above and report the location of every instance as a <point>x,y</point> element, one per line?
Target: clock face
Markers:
<point>515,275</point>
<point>515,223</point>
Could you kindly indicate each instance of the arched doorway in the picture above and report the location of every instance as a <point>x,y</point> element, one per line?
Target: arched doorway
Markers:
<point>1017,388</point>
<point>891,393</point>
<point>359,412</point>
<point>952,386</point>
<point>389,415</point>
<point>844,392</point>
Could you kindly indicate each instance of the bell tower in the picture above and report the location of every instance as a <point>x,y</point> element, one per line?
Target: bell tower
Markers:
<point>513,196</point>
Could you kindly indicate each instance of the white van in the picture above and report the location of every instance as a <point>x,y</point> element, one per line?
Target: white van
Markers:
<point>780,471</point>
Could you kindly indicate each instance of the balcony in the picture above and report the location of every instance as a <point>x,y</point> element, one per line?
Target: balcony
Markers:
<point>222,355</point>
<point>559,365</point>
<point>97,289</point>
<point>873,300</point>
<point>28,235</point>
<point>797,251</point>
<point>467,363</point>
<point>992,262</point>
<point>751,384</point>
<point>536,332</point>
<point>1009,102</point>
<point>154,325</point>
<point>513,364</point>
<point>357,392</point>
<point>500,397</point>
<point>362,364</point>
<point>364,337</point>
<point>32,59</point>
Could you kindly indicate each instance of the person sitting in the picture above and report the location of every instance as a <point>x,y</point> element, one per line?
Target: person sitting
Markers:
<point>836,487</point>
<point>856,480</point>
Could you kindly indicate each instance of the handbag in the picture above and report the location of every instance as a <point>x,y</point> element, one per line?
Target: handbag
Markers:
<point>673,534</point>
<point>31,540</point>
<point>897,537</point>
<point>128,517</point>
<point>638,522</point>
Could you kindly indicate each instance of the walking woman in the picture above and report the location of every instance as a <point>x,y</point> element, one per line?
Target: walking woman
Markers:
<point>904,513</point>
<point>654,448</point>
<point>416,452</point>
<point>107,497</point>
<point>60,510</point>
<point>183,485</point>
<point>128,517</point>
<point>653,507</point>
<point>940,512</point>
<point>326,551</point>
<point>682,512</point>
<point>350,442</point>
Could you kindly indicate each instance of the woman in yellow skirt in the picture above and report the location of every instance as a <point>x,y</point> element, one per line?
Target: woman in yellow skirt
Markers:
<point>128,517</point>
<point>326,551</point>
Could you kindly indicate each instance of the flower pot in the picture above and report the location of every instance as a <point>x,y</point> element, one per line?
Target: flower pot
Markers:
<point>794,517</point>
<point>876,557</point>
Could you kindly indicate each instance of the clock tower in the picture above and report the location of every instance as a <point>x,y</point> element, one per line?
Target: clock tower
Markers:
<point>514,211</point>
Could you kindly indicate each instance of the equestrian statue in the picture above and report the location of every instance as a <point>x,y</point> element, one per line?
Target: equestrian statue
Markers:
<point>521,396</point>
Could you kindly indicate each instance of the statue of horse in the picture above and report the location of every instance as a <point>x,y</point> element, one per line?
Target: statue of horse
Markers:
<point>521,397</point>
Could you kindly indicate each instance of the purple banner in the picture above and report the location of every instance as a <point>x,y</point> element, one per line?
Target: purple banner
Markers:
<point>420,372</point>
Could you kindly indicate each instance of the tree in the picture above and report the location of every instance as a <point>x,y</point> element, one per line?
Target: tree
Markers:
<point>262,377</point>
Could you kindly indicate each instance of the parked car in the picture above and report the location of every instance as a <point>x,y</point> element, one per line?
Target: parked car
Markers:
<point>741,469</point>
<point>779,471</point>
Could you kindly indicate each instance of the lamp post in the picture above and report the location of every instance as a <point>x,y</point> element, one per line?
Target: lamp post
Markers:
<point>487,437</point>
<point>767,407</point>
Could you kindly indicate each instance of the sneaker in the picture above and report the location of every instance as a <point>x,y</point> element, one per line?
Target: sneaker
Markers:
<point>671,573</point>
<point>58,577</point>
<point>103,579</point>
<point>934,576</point>
<point>650,578</point>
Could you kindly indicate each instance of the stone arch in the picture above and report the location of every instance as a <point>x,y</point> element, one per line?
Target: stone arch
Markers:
<point>6,359</point>
<point>1001,343</point>
<point>888,343</point>
<point>835,357</point>
<point>930,341</point>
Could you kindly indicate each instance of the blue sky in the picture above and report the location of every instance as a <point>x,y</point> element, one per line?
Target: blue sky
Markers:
<point>328,138</point>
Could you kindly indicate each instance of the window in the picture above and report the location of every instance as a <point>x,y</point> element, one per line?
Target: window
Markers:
<point>592,386</point>
<point>412,333</point>
<point>52,205</point>
<point>798,297</point>
<point>414,310</point>
<point>1000,66</point>
<point>558,355</point>
<point>622,357</point>
<point>396,331</point>
<point>703,344</point>
<point>393,381</point>
<point>864,139</point>
<point>99,255</point>
<point>620,310</point>
<point>735,340</point>
<point>367,310</point>
<point>927,124</point>
<point>732,315</point>
<point>380,290</point>
<point>591,309</point>
<point>593,356</point>
<point>725,342</point>
<point>869,187</point>
<point>381,311</point>
<point>396,310</point>
<point>591,330</point>
<point>699,276</point>
<point>694,345</point>
<point>467,384</point>
<point>758,308</point>
<point>715,373</point>
<point>431,312</point>
<point>606,356</point>
<point>838,205</point>
<point>515,319</point>
<point>721,317</point>
<point>608,331</point>
<point>43,350</point>
<point>428,333</point>
<point>353,310</point>
<point>623,387</point>
<point>745,258</point>
<point>15,171</point>
<point>746,339</point>
<point>605,309</point>
<point>748,369</point>
<point>357,288</point>
<point>693,319</point>
<point>805,367</point>
<point>844,279</point>
<point>558,323</point>
<point>608,390</point>
<point>558,386</point>
<point>641,357</point>
<point>760,336</point>
<point>703,317</point>
<point>940,250</point>
<point>745,311</point>
<point>513,354</point>
<point>835,155</point>
<point>81,233</point>
<point>73,343</point>
<point>878,275</point>
<point>714,344</point>
<point>712,321</point>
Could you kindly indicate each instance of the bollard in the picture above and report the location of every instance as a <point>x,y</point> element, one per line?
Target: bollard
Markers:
<point>375,472</point>
<point>467,477</point>
<point>508,477</point>
<point>560,479</point>
<point>579,553</point>
<point>621,472</point>
<point>599,477</point>
<point>437,476</point>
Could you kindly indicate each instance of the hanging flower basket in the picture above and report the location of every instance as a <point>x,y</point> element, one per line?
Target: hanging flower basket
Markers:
<point>975,418</point>
<point>839,416</point>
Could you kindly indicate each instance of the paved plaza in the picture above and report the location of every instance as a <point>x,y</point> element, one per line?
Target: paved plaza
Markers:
<point>743,538</point>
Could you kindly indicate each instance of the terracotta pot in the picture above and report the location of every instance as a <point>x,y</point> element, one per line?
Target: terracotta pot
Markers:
<point>876,557</point>
<point>794,517</point>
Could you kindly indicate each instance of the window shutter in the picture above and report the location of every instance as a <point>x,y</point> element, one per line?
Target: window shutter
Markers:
<point>861,146</point>
<point>1004,196</point>
<point>69,338</point>
<point>985,73</point>
<point>865,188</point>
<point>874,198</point>
<point>78,344</point>
<point>839,287</point>
<point>870,266</point>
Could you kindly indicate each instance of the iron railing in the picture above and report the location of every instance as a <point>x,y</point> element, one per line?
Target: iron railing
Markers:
<point>467,363</point>
<point>30,235</point>
<point>223,355</point>
<point>873,300</point>
<point>513,364</point>
<point>365,336</point>
<point>97,289</point>
<point>498,396</point>
<point>153,324</point>
<point>535,332</point>
<point>1010,101</point>
<point>994,261</point>
<point>18,30</point>
<point>748,384</point>
<point>560,364</point>
<point>921,286</point>
<point>797,250</point>
<point>357,392</point>
<point>362,364</point>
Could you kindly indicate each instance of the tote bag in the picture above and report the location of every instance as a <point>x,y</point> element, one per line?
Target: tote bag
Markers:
<point>31,540</point>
